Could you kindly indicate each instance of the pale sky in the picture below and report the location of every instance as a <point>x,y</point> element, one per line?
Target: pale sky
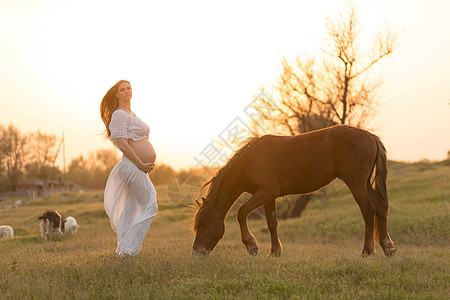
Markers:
<point>195,65</point>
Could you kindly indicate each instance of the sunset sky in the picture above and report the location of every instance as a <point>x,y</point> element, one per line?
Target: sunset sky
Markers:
<point>195,65</point>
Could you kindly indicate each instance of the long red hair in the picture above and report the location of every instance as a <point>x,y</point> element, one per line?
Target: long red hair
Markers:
<point>109,104</point>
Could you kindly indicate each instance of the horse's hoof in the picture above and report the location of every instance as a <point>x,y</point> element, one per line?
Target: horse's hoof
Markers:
<point>389,252</point>
<point>366,253</point>
<point>200,252</point>
<point>274,254</point>
<point>253,251</point>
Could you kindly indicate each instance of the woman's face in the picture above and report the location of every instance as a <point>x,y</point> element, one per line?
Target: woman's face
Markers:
<point>124,92</point>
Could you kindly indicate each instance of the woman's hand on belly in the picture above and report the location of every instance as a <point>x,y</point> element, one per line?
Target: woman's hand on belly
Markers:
<point>147,167</point>
<point>141,153</point>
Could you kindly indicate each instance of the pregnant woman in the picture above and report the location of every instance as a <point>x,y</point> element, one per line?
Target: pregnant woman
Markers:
<point>130,197</point>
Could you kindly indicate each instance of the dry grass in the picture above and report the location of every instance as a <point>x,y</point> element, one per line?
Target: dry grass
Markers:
<point>320,259</point>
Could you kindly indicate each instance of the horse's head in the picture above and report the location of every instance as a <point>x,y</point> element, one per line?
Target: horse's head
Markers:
<point>209,221</point>
<point>208,229</point>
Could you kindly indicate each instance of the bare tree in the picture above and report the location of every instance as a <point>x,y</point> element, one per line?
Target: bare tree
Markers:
<point>41,152</point>
<point>12,153</point>
<point>339,87</point>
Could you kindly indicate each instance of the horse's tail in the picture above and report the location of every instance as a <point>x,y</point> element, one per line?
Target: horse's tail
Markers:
<point>379,182</point>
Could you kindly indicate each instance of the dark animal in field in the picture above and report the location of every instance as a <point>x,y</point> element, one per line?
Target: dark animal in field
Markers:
<point>51,220</point>
<point>272,166</point>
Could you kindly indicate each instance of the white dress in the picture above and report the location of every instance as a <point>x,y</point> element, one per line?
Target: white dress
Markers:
<point>130,197</point>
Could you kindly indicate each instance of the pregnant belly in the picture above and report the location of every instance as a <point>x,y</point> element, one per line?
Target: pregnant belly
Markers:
<point>144,150</point>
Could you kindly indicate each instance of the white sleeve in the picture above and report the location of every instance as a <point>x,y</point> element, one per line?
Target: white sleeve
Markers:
<point>118,125</point>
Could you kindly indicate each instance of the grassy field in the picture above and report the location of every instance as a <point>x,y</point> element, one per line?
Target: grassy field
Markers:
<point>320,259</point>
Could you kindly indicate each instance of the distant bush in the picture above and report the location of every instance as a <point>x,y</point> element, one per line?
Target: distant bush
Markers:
<point>445,162</point>
<point>162,174</point>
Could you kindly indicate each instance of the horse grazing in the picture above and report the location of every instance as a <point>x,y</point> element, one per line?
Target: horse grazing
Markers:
<point>272,166</point>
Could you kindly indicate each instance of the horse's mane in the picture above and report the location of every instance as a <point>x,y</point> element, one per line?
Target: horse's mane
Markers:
<point>214,184</point>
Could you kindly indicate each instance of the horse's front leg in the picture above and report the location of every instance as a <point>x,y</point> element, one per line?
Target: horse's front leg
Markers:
<point>270,209</point>
<point>258,199</point>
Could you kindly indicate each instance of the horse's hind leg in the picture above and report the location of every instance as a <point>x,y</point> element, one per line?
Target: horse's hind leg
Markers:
<point>270,209</point>
<point>254,202</point>
<point>362,197</point>
<point>381,224</point>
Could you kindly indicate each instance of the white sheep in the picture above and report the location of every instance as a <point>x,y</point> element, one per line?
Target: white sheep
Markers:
<point>71,225</point>
<point>6,231</point>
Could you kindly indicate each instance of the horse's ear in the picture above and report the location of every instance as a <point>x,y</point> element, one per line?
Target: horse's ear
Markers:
<point>198,203</point>
<point>204,200</point>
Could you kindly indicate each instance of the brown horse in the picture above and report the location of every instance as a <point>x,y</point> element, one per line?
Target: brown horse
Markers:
<point>272,166</point>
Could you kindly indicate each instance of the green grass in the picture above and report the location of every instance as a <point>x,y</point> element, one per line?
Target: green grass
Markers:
<point>320,259</point>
